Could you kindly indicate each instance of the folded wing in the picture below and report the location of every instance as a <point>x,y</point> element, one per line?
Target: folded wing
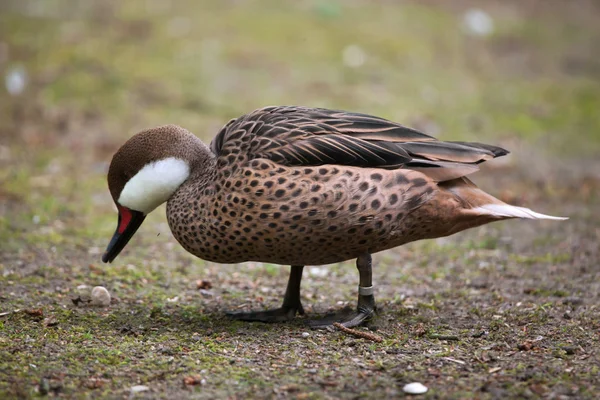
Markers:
<point>300,136</point>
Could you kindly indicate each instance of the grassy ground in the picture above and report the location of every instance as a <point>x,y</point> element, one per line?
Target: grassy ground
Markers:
<point>515,303</point>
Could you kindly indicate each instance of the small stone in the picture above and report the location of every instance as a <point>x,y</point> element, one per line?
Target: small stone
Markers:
<point>139,388</point>
<point>100,296</point>
<point>354,56</point>
<point>318,272</point>
<point>95,251</point>
<point>50,321</point>
<point>414,388</point>
<point>478,22</point>
<point>196,337</point>
<point>305,334</point>
<point>15,80</point>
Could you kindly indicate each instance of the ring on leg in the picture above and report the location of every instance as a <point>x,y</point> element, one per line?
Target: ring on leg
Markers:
<point>365,291</point>
<point>365,308</point>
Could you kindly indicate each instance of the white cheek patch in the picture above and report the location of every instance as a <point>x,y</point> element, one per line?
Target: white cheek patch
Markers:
<point>154,184</point>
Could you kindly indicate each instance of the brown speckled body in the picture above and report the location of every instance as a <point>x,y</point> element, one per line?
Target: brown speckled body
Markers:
<point>245,208</point>
<point>300,215</point>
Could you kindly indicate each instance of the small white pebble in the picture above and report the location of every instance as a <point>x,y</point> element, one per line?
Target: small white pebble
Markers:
<point>15,80</point>
<point>318,272</point>
<point>139,388</point>
<point>100,296</point>
<point>95,251</point>
<point>353,56</point>
<point>305,334</point>
<point>478,22</point>
<point>414,388</point>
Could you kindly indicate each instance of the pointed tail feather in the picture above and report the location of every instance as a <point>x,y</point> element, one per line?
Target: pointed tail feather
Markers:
<point>477,202</point>
<point>508,211</point>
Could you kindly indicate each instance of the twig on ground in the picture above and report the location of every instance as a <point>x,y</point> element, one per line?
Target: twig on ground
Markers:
<point>360,334</point>
<point>4,314</point>
<point>35,312</point>
<point>443,337</point>
<point>454,360</point>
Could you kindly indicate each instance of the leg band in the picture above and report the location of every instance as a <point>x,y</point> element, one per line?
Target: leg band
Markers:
<point>365,291</point>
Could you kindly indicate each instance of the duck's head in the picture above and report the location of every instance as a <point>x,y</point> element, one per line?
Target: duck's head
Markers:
<point>145,172</point>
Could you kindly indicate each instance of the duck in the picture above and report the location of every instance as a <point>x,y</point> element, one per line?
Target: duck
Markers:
<point>299,186</point>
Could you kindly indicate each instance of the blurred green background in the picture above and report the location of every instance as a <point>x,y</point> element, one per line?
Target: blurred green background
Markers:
<point>526,70</point>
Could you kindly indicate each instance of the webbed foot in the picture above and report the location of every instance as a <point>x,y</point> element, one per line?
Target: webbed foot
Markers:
<point>291,303</point>
<point>280,314</point>
<point>348,317</point>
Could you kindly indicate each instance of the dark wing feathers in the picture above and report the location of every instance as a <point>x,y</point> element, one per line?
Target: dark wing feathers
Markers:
<point>448,151</point>
<point>495,150</point>
<point>339,149</point>
<point>314,136</point>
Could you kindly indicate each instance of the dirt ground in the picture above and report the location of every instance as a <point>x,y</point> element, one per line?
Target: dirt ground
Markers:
<point>508,310</point>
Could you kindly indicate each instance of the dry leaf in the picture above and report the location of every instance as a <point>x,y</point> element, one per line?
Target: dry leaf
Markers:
<point>202,284</point>
<point>95,383</point>
<point>192,380</point>
<point>35,312</point>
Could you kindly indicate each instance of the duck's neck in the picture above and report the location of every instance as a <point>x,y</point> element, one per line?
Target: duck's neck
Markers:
<point>202,175</point>
<point>203,166</point>
<point>193,199</point>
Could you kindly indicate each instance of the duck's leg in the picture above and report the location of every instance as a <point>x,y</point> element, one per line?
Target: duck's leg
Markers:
<point>291,303</point>
<point>365,308</point>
